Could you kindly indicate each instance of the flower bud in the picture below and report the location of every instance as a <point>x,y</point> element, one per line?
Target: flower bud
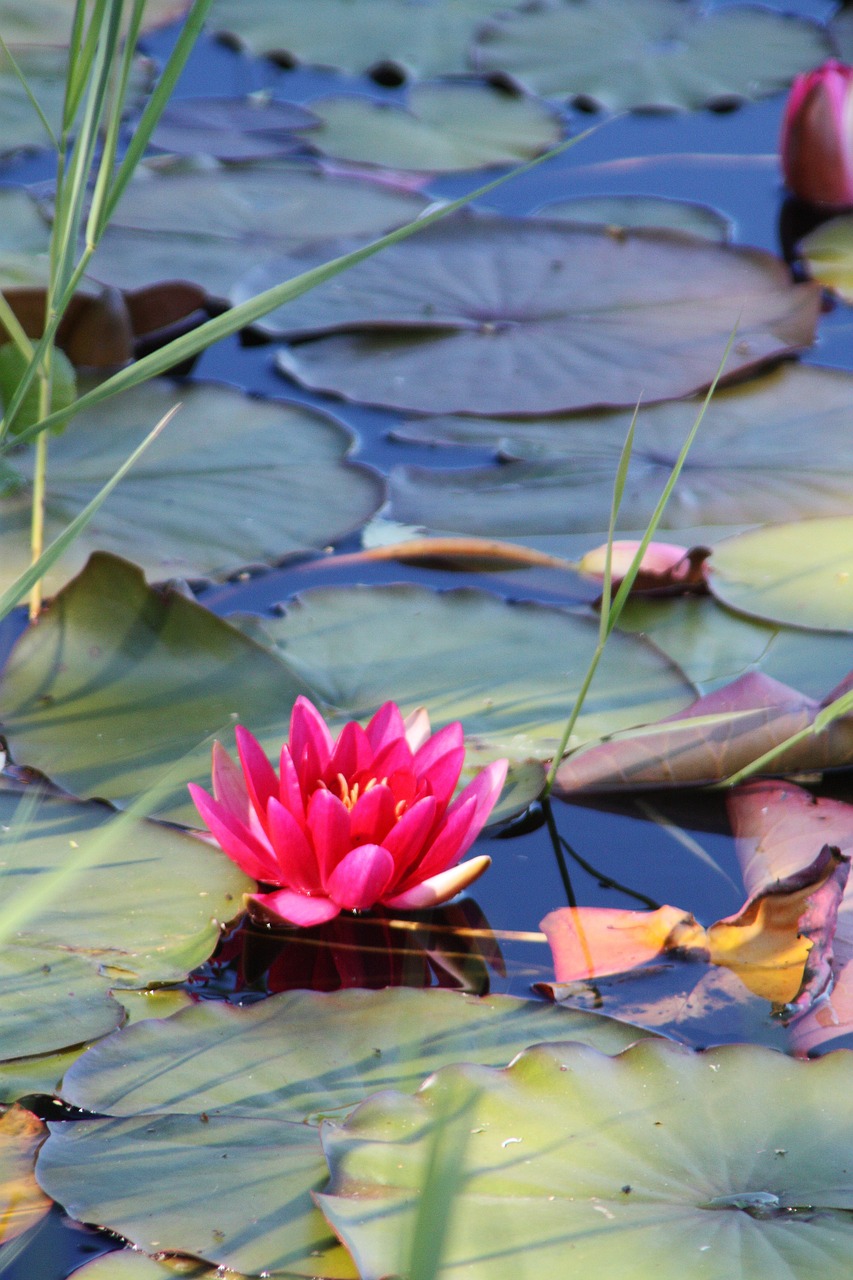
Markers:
<point>817,136</point>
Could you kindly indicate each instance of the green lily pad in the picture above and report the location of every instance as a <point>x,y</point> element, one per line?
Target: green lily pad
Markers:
<point>132,1264</point>
<point>475,315</point>
<point>440,128</point>
<point>642,211</point>
<point>828,251</point>
<point>650,54</point>
<point>148,908</point>
<point>509,672</point>
<point>800,573</point>
<point>712,645</point>
<point>751,461</point>
<point>29,22</point>
<point>219,1083</point>
<point>251,128</point>
<point>24,240</point>
<point>181,222</point>
<point>652,1165</point>
<point>430,38</point>
<point>50,999</point>
<point>119,685</point>
<point>234,480</point>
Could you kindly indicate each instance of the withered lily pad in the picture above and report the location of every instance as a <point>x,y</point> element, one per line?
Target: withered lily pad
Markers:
<point>799,573</point>
<point>441,127</point>
<point>430,38</point>
<point>466,655</point>
<point>497,316</point>
<point>22,1202</point>
<point>658,54</point>
<point>636,1166</point>
<point>218,1084</point>
<point>234,480</point>
<point>180,222</point>
<point>751,461</point>
<point>252,128</point>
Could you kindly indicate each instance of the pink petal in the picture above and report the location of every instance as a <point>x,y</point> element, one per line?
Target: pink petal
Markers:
<point>294,854</point>
<point>385,726</point>
<point>290,792</point>
<point>229,785</point>
<point>406,839</point>
<point>447,847</point>
<point>328,822</point>
<point>440,888</point>
<point>234,838</point>
<point>393,757</point>
<point>418,727</point>
<point>311,744</point>
<point>359,881</point>
<point>352,753</point>
<point>372,816</point>
<point>443,775</point>
<point>447,739</point>
<point>294,908</point>
<point>486,788</point>
<point>260,776</point>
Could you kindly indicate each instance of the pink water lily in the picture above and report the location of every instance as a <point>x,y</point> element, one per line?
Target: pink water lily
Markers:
<point>349,823</point>
<point>817,136</point>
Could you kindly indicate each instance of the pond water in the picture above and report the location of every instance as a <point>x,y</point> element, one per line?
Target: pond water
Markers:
<point>631,852</point>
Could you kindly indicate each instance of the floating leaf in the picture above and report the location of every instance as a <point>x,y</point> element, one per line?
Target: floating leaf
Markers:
<point>132,1264</point>
<point>251,128</point>
<point>828,251</point>
<point>439,128</point>
<point>466,655</point>
<point>430,38</point>
<point>481,320</point>
<point>119,684</point>
<point>177,221</point>
<point>799,573</point>
<point>235,480</point>
<point>724,731</point>
<point>634,1166</point>
<point>24,240</point>
<point>50,999</point>
<point>222,1083</point>
<point>148,909</point>
<point>652,54</point>
<point>619,212</point>
<point>22,1202</point>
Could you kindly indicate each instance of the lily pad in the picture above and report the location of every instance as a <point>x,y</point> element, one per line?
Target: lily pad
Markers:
<point>752,461</point>
<point>828,251</point>
<point>251,128</point>
<point>430,38</point>
<point>44,66</point>
<point>488,315</point>
<point>799,573</point>
<point>235,480</point>
<point>24,240</point>
<point>177,221</point>
<point>509,672</point>
<point>220,1083</point>
<point>29,21</point>
<point>147,909</point>
<point>50,999</point>
<point>119,686</point>
<point>642,211</point>
<point>635,1166</point>
<point>440,128</point>
<point>22,1202</point>
<point>651,54</point>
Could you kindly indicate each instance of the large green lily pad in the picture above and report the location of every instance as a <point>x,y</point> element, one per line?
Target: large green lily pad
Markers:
<point>50,999</point>
<point>441,127</point>
<point>652,1165</point>
<point>488,315</point>
<point>217,1083</point>
<point>752,461</point>
<point>120,686</point>
<point>800,573</point>
<point>509,672</point>
<point>663,54</point>
<point>181,222</point>
<point>356,35</point>
<point>233,479</point>
<point>148,908</point>
<point>620,212</point>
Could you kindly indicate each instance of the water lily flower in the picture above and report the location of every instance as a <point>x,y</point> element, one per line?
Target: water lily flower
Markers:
<point>349,823</point>
<point>817,136</point>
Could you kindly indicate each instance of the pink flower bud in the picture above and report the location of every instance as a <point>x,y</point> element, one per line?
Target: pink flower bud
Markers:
<point>661,560</point>
<point>817,136</point>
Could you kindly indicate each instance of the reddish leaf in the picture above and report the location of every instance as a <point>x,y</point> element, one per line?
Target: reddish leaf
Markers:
<point>747,718</point>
